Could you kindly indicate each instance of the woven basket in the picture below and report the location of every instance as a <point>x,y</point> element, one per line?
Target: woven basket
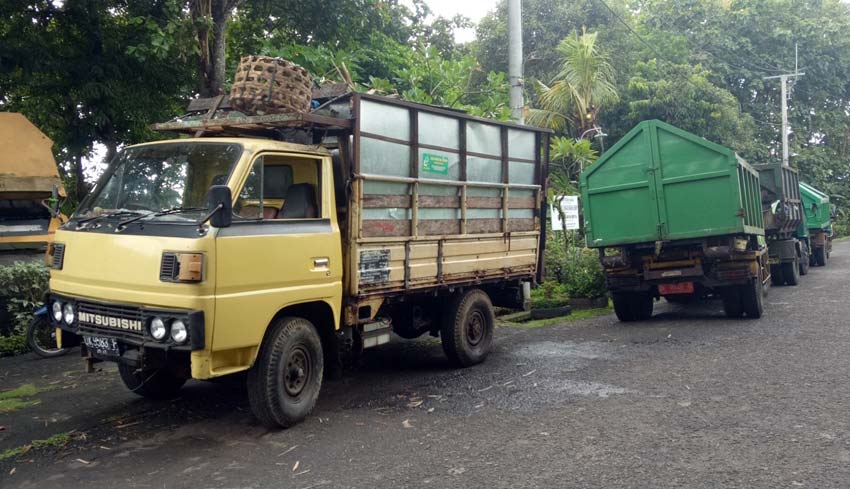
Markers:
<point>265,85</point>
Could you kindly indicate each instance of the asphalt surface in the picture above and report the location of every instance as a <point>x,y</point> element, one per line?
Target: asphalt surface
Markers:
<point>688,399</point>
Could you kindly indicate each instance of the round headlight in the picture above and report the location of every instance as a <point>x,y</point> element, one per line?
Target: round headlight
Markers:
<point>158,330</point>
<point>56,309</point>
<point>68,313</point>
<point>178,331</point>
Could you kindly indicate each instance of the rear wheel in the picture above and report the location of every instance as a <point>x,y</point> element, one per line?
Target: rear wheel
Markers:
<point>820,256</point>
<point>284,383</point>
<point>776,275</point>
<point>733,305</point>
<point>467,328</point>
<point>159,384</point>
<point>791,272</point>
<point>632,306</point>
<point>752,298</point>
<point>804,265</point>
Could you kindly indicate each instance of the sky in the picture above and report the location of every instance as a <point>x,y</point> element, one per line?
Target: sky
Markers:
<point>474,9</point>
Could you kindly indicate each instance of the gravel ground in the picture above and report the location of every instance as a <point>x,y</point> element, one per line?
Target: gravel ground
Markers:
<point>688,399</point>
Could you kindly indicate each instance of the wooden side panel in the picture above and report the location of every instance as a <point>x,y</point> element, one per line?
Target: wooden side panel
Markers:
<point>398,266</point>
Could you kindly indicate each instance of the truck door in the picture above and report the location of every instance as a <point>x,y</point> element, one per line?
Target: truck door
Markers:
<point>283,248</point>
<point>621,193</point>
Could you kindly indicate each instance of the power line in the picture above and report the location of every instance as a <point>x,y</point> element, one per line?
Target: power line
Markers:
<point>627,26</point>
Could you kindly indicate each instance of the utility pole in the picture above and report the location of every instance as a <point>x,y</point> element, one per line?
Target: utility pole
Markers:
<point>783,80</point>
<point>515,59</point>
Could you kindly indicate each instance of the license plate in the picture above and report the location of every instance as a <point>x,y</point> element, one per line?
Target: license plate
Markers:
<point>678,288</point>
<point>101,346</point>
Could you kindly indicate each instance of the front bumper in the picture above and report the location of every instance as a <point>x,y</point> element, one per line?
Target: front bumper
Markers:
<point>128,324</point>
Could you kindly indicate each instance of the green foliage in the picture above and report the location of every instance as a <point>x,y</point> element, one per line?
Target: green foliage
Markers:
<point>684,96</point>
<point>567,158</point>
<point>584,83</point>
<point>549,294</point>
<point>568,262</point>
<point>15,344</point>
<point>23,286</point>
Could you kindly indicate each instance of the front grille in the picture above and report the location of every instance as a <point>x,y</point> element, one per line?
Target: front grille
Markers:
<point>88,311</point>
<point>169,268</point>
<point>58,255</point>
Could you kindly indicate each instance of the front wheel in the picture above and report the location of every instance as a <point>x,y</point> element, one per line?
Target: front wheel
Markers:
<point>284,383</point>
<point>467,328</point>
<point>42,338</point>
<point>158,384</point>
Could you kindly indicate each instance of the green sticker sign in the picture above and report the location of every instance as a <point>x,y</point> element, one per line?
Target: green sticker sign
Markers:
<point>435,164</point>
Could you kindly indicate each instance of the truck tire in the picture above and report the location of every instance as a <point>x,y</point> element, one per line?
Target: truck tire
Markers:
<point>820,256</point>
<point>159,384</point>
<point>733,304</point>
<point>632,306</point>
<point>791,272</point>
<point>776,275</point>
<point>467,328</point>
<point>284,383</point>
<point>752,298</point>
<point>804,265</point>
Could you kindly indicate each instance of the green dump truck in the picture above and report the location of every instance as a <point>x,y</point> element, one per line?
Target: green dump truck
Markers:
<point>818,223</point>
<point>674,215</point>
<point>780,198</point>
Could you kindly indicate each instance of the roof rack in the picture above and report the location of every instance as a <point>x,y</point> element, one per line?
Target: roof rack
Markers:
<point>214,117</point>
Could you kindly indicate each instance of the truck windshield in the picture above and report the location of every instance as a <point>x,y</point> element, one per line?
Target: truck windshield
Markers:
<point>151,179</point>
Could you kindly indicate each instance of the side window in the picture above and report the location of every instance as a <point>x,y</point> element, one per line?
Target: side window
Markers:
<point>280,187</point>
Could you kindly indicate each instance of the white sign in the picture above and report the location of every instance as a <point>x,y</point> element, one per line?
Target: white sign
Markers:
<point>569,206</point>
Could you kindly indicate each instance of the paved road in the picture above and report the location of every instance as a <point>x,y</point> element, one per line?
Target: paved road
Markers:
<point>689,399</point>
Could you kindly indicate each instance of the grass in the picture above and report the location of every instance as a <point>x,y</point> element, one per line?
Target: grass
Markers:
<point>58,440</point>
<point>15,399</point>
<point>576,315</point>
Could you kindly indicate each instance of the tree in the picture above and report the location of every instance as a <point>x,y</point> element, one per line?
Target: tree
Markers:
<point>684,96</point>
<point>584,83</point>
<point>91,71</point>
<point>209,18</point>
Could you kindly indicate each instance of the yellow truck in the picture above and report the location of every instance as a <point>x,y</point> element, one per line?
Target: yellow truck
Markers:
<point>29,190</point>
<point>240,250</point>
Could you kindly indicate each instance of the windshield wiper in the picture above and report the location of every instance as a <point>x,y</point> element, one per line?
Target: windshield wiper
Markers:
<point>173,210</point>
<point>110,214</point>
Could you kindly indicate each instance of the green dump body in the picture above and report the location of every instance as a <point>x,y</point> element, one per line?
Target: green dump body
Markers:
<point>816,207</point>
<point>660,183</point>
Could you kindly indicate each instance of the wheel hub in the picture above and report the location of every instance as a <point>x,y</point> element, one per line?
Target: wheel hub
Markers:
<point>297,371</point>
<point>475,328</point>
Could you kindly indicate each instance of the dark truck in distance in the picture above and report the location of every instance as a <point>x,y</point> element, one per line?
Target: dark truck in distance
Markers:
<point>676,216</point>
<point>780,198</point>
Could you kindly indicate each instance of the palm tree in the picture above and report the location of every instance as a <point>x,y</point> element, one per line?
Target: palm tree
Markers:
<point>584,83</point>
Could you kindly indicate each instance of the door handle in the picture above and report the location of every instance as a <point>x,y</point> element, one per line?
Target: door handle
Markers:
<point>321,262</point>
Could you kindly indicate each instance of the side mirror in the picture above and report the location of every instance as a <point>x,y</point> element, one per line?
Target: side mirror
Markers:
<point>220,204</point>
